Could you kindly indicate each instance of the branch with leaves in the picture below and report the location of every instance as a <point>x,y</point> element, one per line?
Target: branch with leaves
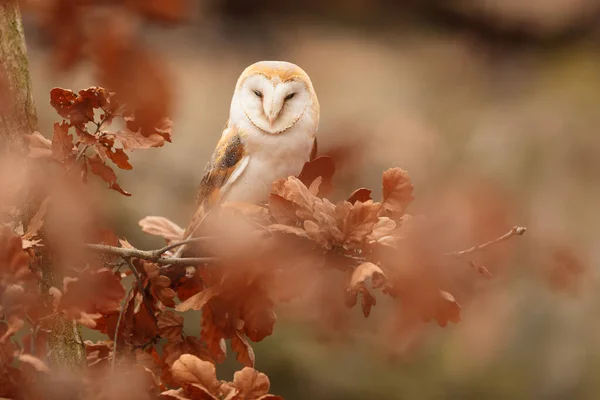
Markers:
<point>267,255</point>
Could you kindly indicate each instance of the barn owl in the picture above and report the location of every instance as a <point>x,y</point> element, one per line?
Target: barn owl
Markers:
<point>270,134</point>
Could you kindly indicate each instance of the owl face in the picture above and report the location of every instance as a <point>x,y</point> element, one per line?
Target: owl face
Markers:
<point>274,95</point>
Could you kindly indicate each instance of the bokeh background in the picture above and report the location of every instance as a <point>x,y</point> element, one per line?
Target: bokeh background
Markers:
<point>493,108</point>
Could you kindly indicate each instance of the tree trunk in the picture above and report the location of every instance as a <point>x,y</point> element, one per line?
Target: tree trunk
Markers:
<point>18,117</point>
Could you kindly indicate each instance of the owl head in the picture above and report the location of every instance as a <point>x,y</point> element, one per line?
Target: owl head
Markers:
<point>274,96</point>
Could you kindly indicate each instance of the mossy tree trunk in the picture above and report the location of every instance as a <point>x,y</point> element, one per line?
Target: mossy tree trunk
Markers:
<point>18,117</point>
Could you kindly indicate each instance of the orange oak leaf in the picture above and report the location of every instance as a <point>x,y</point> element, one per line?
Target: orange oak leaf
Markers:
<point>189,369</point>
<point>397,191</point>
<point>250,384</point>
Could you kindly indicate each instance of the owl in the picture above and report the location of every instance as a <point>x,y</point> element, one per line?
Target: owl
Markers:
<point>270,134</point>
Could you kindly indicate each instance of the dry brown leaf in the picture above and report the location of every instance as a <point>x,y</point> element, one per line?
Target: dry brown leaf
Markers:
<point>199,300</point>
<point>161,226</point>
<point>245,353</point>
<point>189,369</point>
<point>170,326</point>
<point>359,223</point>
<point>33,362</point>
<point>362,195</point>
<point>36,223</point>
<point>365,271</point>
<point>250,384</point>
<point>292,230</point>
<point>397,191</point>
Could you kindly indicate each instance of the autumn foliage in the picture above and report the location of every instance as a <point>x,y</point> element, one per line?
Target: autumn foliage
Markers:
<point>247,261</point>
<point>273,253</point>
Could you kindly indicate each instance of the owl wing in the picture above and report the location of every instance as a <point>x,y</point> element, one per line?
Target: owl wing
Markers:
<point>227,163</point>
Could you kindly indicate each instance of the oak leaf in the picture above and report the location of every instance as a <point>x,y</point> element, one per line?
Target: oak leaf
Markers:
<point>161,226</point>
<point>397,191</point>
<point>199,300</point>
<point>189,369</point>
<point>62,142</point>
<point>92,292</point>
<point>251,385</point>
<point>245,353</point>
<point>170,326</point>
<point>105,172</point>
<point>362,195</point>
<point>135,140</point>
<point>14,262</point>
<point>319,167</point>
<point>359,223</point>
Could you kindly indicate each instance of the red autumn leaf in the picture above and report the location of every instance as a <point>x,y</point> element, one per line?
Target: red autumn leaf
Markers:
<point>79,108</point>
<point>62,143</point>
<point>92,292</point>
<point>361,195</point>
<point>258,315</point>
<point>119,157</point>
<point>397,191</point>
<point>14,262</point>
<point>190,345</point>
<point>106,173</point>
<point>245,353</point>
<point>213,336</point>
<point>319,167</point>
<point>447,309</point>
<point>161,226</point>
<point>170,326</point>
<point>160,285</point>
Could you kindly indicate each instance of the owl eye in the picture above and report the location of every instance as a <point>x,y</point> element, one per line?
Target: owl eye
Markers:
<point>258,94</point>
<point>289,96</point>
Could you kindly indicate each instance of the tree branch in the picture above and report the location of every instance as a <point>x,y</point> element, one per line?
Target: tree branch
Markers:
<point>152,255</point>
<point>125,306</point>
<point>515,231</point>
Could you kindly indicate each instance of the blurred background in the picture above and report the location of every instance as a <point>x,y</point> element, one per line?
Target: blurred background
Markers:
<point>492,106</point>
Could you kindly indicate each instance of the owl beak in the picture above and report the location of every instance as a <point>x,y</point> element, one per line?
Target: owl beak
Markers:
<point>272,115</point>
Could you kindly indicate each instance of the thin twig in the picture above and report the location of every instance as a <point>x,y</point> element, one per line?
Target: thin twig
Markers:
<point>150,255</point>
<point>515,231</point>
<point>114,359</point>
<point>141,289</point>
